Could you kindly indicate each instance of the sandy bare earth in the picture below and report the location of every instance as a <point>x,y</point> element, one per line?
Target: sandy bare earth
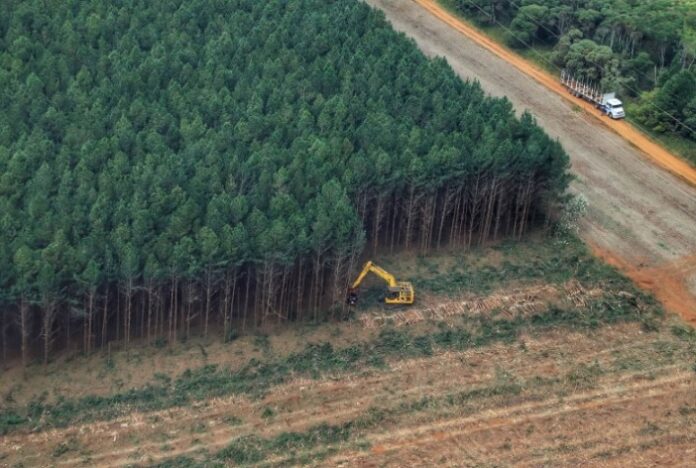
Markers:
<point>618,397</point>
<point>640,217</point>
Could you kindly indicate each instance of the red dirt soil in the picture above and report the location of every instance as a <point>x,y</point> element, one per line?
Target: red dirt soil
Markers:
<point>642,399</point>
<point>667,282</point>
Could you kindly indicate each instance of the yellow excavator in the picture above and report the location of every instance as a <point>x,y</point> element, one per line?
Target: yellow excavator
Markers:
<point>399,292</point>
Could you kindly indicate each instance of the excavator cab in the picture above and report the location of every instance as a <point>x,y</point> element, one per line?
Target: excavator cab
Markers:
<point>402,293</point>
<point>398,292</point>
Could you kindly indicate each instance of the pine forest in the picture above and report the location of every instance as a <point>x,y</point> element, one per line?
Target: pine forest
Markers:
<point>206,167</point>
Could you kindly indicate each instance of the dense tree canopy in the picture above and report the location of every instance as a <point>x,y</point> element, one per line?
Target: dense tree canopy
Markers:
<point>633,46</point>
<point>165,163</point>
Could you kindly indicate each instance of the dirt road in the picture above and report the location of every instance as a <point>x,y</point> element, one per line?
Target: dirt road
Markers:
<point>641,217</point>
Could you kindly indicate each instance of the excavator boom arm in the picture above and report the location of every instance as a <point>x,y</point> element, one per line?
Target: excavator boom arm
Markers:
<point>361,276</point>
<point>381,272</point>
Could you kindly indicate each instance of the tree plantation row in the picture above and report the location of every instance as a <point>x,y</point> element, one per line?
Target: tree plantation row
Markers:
<point>170,167</point>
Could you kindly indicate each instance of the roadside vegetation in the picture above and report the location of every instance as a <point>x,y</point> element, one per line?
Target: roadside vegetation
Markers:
<point>646,51</point>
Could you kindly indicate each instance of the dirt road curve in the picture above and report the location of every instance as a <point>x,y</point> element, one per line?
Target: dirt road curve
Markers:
<point>641,217</point>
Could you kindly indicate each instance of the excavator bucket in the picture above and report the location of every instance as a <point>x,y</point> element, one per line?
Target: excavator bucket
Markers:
<point>352,297</point>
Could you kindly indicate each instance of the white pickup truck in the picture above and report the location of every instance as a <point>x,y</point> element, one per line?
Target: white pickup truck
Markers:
<point>607,102</point>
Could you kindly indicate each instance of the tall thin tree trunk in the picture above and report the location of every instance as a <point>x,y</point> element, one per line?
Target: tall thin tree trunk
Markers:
<point>118,312</point>
<point>488,213</point>
<point>335,293</point>
<point>467,208</point>
<point>105,317</point>
<point>233,297</point>
<point>3,336</point>
<point>443,216</point>
<point>377,223</point>
<point>48,316</point>
<point>498,213</point>
<point>258,290</point>
<point>317,288</point>
<point>395,213</point>
<point>226,309</point>
<point>282,306</point>
<point>208,295</point>
<point>160,313</point>
<point>455,218</point>
<point>90,318</point>
<point>175,326</point>
<point>127,315</point>
<point>473,213</point>
<point>84,326</point>
<point>170,320</point>
<point>189,300</point>
<point>410,209</point>
<point>300,292</point>
<point>269,287</point>
<point>427,223</point>
<point>527,201</point>
<point>246,299</point>
<point>142,315</point>
<point>24,331</point>
<point>149,313</point>
<point>67,331</point>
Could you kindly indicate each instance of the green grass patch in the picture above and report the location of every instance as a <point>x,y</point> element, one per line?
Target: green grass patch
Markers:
<point>69,445</point>
<point>546,259</point>
<point>251,449</point>
<point>302,447</point>
<point>684,332</point>
<point>585,375</point>
<point>233,420</point>
<point>243,451</point>
<point>268,412</point>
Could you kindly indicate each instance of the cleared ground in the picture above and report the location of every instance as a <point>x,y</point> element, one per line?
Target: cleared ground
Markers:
<point>529,354</point>
<point>640,217</point>
<point>616,397</point>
